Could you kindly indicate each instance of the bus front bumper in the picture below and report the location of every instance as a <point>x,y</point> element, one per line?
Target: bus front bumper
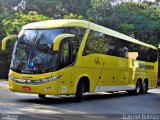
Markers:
<point>49,88</point>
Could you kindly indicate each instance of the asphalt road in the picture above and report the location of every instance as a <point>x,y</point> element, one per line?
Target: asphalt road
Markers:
<point>94,106</point>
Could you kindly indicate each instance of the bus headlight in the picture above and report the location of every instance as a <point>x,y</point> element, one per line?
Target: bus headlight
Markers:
<point>41,81</point>
<point>51,79</point>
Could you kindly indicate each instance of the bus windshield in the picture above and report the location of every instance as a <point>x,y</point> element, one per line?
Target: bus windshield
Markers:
<point>33,50</point>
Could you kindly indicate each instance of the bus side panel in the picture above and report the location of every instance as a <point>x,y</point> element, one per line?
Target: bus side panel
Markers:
<point>78,74</point>
<point>153,81</point>
<point>155,75</point>
<point>117,71</point>
<point>139,70</point>
<point>65,81</point>
<point>89,65</point>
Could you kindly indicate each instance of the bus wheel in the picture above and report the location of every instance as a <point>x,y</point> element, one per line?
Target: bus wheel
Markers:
<point>145,87</point>
<point>79,92</point>
<point>138,88</point>
<point>41,96</point>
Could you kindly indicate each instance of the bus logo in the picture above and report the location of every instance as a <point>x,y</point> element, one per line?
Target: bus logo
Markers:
<point>146,66</point>
<point>97,62</point>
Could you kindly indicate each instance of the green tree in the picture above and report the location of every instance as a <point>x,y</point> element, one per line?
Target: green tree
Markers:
<point>13,26</point>
<point>74,16</point>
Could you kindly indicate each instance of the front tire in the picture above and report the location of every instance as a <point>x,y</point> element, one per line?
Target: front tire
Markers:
<point>79,92</point>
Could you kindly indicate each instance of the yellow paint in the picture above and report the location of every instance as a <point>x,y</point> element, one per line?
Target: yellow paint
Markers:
<point>4,41</point>
<point>38,89</point>
<point>58,40</point>
<point>57,23</point>
<point>111,70</point>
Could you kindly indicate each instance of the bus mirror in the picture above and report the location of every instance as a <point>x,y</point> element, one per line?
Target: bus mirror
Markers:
<point>4,41</point>
<point>159,48</point>
<point>58,40</point>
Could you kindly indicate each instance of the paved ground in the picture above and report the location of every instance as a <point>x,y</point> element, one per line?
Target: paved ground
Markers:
<point>94,106</point>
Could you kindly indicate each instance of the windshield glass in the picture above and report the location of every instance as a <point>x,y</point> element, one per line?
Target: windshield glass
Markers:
<point>33,50</point>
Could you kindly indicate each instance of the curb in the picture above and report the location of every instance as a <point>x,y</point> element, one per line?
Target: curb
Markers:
<point>3,79</point>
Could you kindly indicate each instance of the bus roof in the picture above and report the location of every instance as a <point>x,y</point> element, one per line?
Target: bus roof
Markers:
<point>56,23</point>
<point>85,24</point>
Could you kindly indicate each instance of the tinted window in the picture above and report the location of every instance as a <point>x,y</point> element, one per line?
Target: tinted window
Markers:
<point>96,43</point>
<point>104,44</point>
<point>70,46</point>
<point>142,53</point>
<point>100,43</point>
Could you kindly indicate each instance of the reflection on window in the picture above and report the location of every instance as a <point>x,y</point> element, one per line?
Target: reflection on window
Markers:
<point>104,44</point>
<point>43,55</point>
<point>22,48</point>
<point>70,46</point>
<point>64,58</point>
<point>48,36</point>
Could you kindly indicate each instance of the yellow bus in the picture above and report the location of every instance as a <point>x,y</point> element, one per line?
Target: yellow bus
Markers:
<point>71,57</point>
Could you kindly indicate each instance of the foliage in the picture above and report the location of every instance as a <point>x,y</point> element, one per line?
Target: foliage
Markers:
<point>139,20</point>
<point>13,26</point>
<point>128,28</point>
<point>74,16</point>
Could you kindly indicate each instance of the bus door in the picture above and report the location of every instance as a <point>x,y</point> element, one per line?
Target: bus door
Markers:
<point>65,62</point>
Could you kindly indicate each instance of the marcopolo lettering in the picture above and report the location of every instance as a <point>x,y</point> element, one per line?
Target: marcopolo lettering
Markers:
<point>146,66</point>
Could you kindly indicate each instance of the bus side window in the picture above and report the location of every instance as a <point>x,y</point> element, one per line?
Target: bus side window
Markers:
<point>64,57</point>
<point>68,53</point>
<point>73,49</point>
<point>95,44</point>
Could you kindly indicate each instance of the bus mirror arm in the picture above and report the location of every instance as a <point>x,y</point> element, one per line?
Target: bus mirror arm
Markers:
<point>58,40</point>
<point>159,48</point>
<point>4,41</point>
<point>84,53</point>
